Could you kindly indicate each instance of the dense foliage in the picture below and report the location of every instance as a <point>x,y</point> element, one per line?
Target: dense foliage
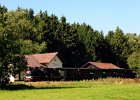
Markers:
<point>22,32</point>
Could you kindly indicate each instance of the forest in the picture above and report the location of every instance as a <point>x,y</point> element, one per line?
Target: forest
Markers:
<point>23,32</point>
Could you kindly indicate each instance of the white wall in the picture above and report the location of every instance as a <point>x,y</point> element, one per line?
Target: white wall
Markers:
<point>55,63</point>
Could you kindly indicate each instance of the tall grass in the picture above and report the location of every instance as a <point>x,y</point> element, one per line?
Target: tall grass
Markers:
<point>86,83</point>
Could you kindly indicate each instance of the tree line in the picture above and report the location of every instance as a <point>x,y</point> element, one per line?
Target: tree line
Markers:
<point>23,32</point>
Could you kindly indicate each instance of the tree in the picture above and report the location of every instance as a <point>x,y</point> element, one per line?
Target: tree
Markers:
<point>66,38</point>
<point>134,41</point>
<point>28,47</point>
<point>92,40</point>
<point>134,62</point>
<point>120,48</point>
<point>15,34</point>
<point>9,50</point>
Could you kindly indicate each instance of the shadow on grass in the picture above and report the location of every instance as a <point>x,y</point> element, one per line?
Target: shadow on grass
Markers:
<point>26,87</point>
<point>16,87</point>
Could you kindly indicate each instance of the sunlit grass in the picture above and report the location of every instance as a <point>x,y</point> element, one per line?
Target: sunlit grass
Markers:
<point>102,89</point>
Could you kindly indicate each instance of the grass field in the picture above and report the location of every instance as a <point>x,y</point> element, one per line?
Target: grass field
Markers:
<point>105,89</point>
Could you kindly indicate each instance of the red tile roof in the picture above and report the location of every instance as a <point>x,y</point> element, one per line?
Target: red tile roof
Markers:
<point>102,65</point>
<point>37,60</point>
<point>45,58</point>
<point>31,61</point>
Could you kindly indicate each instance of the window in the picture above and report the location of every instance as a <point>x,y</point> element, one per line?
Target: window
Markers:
<point>55,60</point>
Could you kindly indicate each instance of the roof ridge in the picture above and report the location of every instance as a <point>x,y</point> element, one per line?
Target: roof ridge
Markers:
<point>36,59</point>
<point>102,65</point>
<point>101,62</point>
<point>54,56</point>
<point>48,55</point>
<point>45,53</point>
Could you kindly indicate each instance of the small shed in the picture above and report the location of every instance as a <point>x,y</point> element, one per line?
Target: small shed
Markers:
<point>101,70</point>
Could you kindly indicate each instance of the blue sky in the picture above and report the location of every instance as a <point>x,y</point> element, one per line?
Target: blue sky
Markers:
<point>102,15</point>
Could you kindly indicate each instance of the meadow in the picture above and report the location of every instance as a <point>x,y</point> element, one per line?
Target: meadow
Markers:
<point>102,89</point>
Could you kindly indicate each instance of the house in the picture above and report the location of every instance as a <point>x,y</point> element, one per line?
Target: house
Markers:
<point>47,60</point>
<point>40,63</point>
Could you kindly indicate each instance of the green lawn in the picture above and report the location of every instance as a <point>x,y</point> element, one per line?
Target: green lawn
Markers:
<point>83,90</point>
